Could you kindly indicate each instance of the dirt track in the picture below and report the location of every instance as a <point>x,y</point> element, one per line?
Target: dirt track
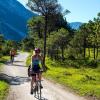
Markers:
<point>20,84</point>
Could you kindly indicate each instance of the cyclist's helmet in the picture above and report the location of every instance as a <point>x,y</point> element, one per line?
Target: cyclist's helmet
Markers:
<point>37,50</point>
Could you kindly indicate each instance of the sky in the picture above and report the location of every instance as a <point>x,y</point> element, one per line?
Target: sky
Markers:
<point>81,10</point>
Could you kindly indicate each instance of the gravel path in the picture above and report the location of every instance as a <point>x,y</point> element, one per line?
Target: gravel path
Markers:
<point>20,84</point>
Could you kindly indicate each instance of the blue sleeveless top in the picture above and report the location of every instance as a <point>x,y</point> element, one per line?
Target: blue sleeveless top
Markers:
<point>35,61</point>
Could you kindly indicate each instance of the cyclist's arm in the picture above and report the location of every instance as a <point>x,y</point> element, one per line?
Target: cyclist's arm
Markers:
<point>31,60</point>
<point>43,67</point>
<point>41,59</point>
<point>10,52</point>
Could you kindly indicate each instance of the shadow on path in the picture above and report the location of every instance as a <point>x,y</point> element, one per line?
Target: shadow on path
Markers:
<point>18,61</point>
<point>10,64</point>
<point>41,98</point>
<point>18,65</point>
<point>14,80</point>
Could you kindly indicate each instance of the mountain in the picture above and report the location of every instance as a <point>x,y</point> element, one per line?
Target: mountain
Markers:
<point>75,25</point>
<point>13,19</point>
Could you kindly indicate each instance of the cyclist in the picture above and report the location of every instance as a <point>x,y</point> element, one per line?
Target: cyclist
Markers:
<point>12,54</point>
<point>36,59</point>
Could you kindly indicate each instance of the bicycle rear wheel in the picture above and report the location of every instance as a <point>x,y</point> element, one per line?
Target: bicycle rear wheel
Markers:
<point>40,90</point>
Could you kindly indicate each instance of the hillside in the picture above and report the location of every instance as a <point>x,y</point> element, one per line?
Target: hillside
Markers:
<point>13,19</point>
<point>75,25</point>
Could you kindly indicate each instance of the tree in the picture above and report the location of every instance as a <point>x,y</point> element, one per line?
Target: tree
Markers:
<point>97,32</point>
<point>28,43</point>
<point>35,25</point>
<point>58,40</point>
<point>48,9</point>
<point>84,32</point>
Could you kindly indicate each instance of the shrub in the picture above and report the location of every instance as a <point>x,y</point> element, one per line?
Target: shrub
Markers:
<point>71,57</point>
<point>93,63</point>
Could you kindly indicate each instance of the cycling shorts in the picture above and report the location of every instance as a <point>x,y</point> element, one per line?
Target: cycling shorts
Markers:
<point>35,69</point>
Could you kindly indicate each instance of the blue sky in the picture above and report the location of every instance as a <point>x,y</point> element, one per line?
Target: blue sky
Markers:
<point>81,10</point>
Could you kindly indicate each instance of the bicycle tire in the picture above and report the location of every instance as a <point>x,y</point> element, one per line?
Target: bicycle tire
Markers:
<point>38,91</point>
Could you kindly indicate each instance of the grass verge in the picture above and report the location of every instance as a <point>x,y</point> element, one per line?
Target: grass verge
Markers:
<point>4,89</point>
<point>84,81</point>
<point>3,59</point>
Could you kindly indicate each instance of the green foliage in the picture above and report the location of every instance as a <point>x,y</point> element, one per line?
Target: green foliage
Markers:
<point>59,37</point>
<point>7,45</point>
<point>36,26</point>
<point>92,63</point>
<point>28,61</point>
<point>28,43</point>
<point>4,59</point>
<point>57,42</point>
<point>71,57</point>
<point>4,87</point>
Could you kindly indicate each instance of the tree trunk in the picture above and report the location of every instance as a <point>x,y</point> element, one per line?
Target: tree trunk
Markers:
<point>97,51</point>
<point>84,47</point>
<point>62,51</point>
<point>45,33</point>
<point>89,52</point>
<point>57,53</point>
<point>94,50</point>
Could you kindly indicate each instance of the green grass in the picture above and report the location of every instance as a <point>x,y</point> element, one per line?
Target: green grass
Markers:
<point>28,61</point>
<point>4,59</point>
<point>4,88</point>
<point>85,81</point>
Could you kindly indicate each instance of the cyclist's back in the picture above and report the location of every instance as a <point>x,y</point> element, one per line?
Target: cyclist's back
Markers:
<point>35,64</point>
<point>12,54</point>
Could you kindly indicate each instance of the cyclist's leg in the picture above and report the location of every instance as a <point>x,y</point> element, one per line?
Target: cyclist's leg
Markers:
<point>32,83</point>
<point>40,77</point>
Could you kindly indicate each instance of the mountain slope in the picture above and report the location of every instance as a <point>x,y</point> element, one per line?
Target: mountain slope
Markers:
<point>13,19</point>
<point>75,25</point>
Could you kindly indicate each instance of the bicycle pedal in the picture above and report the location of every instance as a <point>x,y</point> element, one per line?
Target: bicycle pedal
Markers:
<point>31,91</point>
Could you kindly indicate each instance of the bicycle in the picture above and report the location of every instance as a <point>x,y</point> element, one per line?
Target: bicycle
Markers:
<point>38,86</point>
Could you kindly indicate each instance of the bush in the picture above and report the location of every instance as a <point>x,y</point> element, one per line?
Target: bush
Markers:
<point>5,50</point>
<point>93,63</point>
<point>71,57</point>
<point>1,54</point>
